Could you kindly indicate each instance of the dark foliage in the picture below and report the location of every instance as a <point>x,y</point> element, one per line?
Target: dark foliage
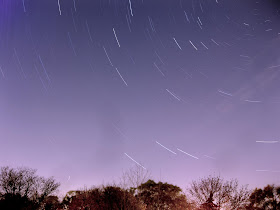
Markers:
<point>161,196</point>
<point>267,198</point>
<point>21,188</point>
<point>109,197</point>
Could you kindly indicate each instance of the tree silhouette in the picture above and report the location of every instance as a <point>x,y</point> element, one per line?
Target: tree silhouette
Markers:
<point>134,177</point>
<point>267,198</point>
<point>21,187</point>
<point>109,197</point>
<point>51,203</point>
<point>161,196</point>
<point>223,194</point>
<point>209,205</point>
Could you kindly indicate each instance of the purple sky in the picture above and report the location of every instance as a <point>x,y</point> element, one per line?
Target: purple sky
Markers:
<point>85,82</point>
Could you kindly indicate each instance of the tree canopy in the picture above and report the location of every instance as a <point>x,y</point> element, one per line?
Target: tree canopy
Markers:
<point>161,196</point>
<point>21,187</point>
<point>266,198</point>
<point>223,194</point>
<point>109,197</point>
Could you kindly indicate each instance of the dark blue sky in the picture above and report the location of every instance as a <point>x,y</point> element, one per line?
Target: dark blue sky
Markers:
<point>87,86</point>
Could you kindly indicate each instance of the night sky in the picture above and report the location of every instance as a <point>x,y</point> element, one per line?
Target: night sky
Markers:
<point>182,88</point>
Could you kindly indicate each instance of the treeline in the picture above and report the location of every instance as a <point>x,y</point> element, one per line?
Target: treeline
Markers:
<point>21,188</point>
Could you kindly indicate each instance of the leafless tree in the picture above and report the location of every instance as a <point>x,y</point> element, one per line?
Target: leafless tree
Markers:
<point>239,196</point>
<point>134,177</point>
<point>23,183</point>
<point>225,194</point>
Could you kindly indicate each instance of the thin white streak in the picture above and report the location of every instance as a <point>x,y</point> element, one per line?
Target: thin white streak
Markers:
<point>151,24</point>
<point>71,43</point>
<point>166,148</point>
<point>271,67</point>
<point>215,42</point>
<point>186,15</point>
<point>116,37</point>
<point>199,20</point>
<point>58,3</point>
<point>159,69</point>
<point>2,72</point>
<point>172,94</point>
<point>74,2</point>
<point>119,130</point>
<point>40,77</point>
<point>23,4</point>
<point>204,45</point>
<point>203,74</point>
<point>245,56</point>
<point>45,71</point>
<point>201,7</point>
<point>199,24</point>
<point>268,142</point>
<point>121,77</point>
<point>148,32</point>
<point>134,161</point>
<point>252,101</point>
<point>107,56</point>
<point>159,57</point>
<point>130,7</point>
<point>129,16</point>
<point>227,44</point>
<point>88,31</point>
<point>187,153</point>
<point>225,93</point>
<point>210,157</point>
<point>177,43</point>
<point>239,68</point>
<point>193,45</point>
<point>128,23</point>
<point>277,171</point>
